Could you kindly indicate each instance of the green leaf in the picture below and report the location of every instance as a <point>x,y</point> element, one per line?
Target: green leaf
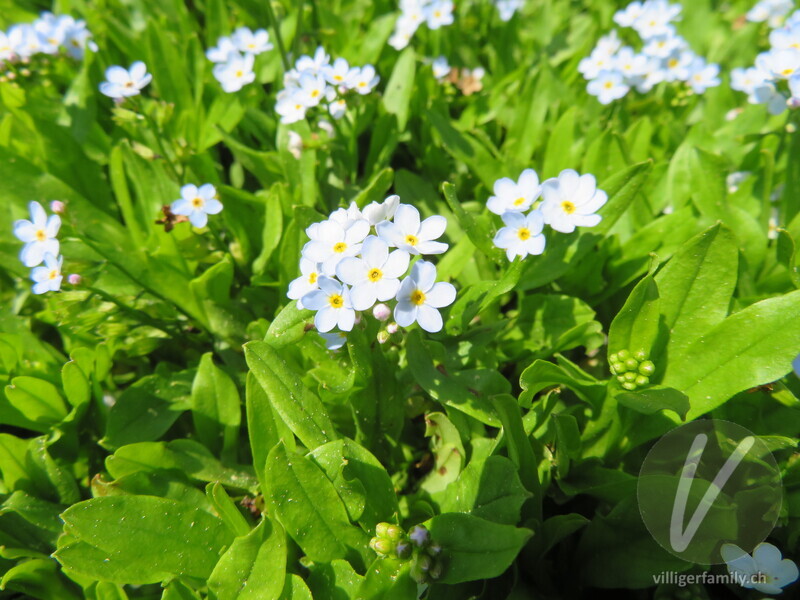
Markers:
<point>289,326</point>
<point>32,404</point>
<point>254,567</point>
<point>478,230</point>
<point>543,374</point>
<point>308,506</point>
<point>519,446</point>
<point>475,548</point>
<point>76,384</point>
<point>397,97</point>
<point>653,399</point>
<point>489,489</point>
<point>298,406</point>
<point>169,539</point>
<point>226,509</point>
<point>558,155</point>
<point>750,348</point>
<point>636,325</point>
<point>696,286</point>
<point>216,409</point>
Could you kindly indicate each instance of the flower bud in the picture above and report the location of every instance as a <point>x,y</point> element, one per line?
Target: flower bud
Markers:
<point>392,328</point>
<point>403,550</point>
<point>381,312</point>
<point>419,535</point>
<point>394,533</point>
<point>617,368</point>
<point>630,376</point>
<point>640,355</point>
<point>381,528</point>
<point>74,279</point>
<point>623,355</point>
<point>631,364</point>
<point>435,572</point>
<point>58,207</point>
<point>621,378</point>
<point>381,546</point>
<point>642,380</point>
<point>629,385</point>
<point>424,562</point>
<point>383,337</point>
<point>612,358</point>
<point>647,368</point>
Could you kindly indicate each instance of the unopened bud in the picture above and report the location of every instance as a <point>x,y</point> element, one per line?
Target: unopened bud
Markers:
<point>58,207</point>
<point>630,376</point>
<point>392,328</point>
<point>642,380</point>
<point>419,535</point>
<point>623,355</point>
<point>403,550</point>
<point>383,337</point>
<point>74,279</point>
<point>629,385</point>
<point>631,364</point>
<point>380,545</point>
<point>640,355</point>
<point>381,312</point>
<point>436,570</point>
<point>647,368</point>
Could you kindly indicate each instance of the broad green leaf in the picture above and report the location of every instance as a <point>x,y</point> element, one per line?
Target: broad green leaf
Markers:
<point>490,489</point>
<point>654,399</point>
<point>169,539</point>
<point>519,446</point>
<point>298,406</point>
<point>254,567</point>
<point>636,326</point>
<point>475,548</point>
<point>308,506</point>
<point>216,409</point>
<point>32,403</point>
<point>397,96</point>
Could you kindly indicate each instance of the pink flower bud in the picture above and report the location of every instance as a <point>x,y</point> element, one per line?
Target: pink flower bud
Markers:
<point>74,279</point>
<point>392,327</point>
<point>383,337</point>
<point>381,312</point>
<point>58,207</point>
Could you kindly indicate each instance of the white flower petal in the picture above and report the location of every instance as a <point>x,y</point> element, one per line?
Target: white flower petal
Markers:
<point>385,289</point>
<point>407,219</point>
<point>396,264</point>
<point>212,206</point>
<point>432,228</point>
<point>32,254</point>
<point>326,318</point>
<point>198,218</point>
<point>363,296</point>
<point>405,313</point>
<point>53,225</point>
<point>431,248</point>
<point>25,231</point>
<point>429,318</point>
<point>38,215</point>
<point>374,251</point>
<point>424,274</point>
<point>440,295</point>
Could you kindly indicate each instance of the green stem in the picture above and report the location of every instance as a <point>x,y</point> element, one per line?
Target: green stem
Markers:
<point>278,39</point>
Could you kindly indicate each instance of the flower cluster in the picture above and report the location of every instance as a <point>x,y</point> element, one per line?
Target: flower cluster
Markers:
<point>315,81</point>
<point>41,246</point>
<point>413,13</point>
<point>196,203</point>
<point>771,11</point>
<point>49,34</point>
<point>507,8</point>
<point>567,201</point>
<point>632,369</point>
<point>391,541</point>
<point>124,83</point>
<point>346,268</point>
<point>775,78</point>
<point>613,69</point>
<point>234,55</point>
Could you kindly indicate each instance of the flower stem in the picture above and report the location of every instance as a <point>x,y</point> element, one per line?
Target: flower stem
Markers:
<point>276,30</point>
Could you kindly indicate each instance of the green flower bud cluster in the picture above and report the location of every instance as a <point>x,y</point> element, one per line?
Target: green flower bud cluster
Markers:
<point>632,369</point>
<point>416,546</point>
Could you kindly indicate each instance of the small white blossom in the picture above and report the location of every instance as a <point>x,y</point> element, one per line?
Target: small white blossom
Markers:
<point>48,278</point>
<point>522,234</point>
<point>441,68</point>
<point>223,51</point>
<point>376,212</point>
<point>411,235</point>
<point>420,297</point>
<point>365,80</point>
<point>251,42</point>
<point>517,197</point>
<point>340,73</point>
<point>608,86</point>
<point>197,203</point>
<point>571,200</point>
<point>331,243</point>
<point>39,235</point>
<point>332,303</point>
<point>123,83</point>
<point>374,276</point>
<point>765,571</point>
<point>306,283</point>
<point>237,72</point>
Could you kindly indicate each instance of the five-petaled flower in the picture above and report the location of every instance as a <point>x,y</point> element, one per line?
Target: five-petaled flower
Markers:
<point>39,235</point>
<point>765,571</point>
<point>197,203</point>
<point>571,200</point>
<point>48,278</point>
<point>522,234</point>
<point>419,297</point>
<point>375,275</point>
<point>411,235</point>
<point>333,306</point>
<point>123,83</point>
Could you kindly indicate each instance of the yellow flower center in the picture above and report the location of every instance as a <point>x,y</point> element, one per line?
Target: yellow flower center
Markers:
<point>41,235</point>
<point>197,202</point>
<point>76,43</point>
<point>312,278</point>
<point>375,275</point>
<point>314,93</point>
<point>437,14</point>
<point>336,301</point>
<point>128,84</point>
<point>608,85</point>
<point>519,201</point>
<point>418,297</point>
<point>251,46</point>
<point>411,240</point>
<point>338,78</point>
<point>523,233</point>
<point>672,63</point>
<point>568,207</point>
<point>362,84</point>
<point>239,73</point>
<point>339,247</point>
<point>53,274</point>
<point>787,72</point>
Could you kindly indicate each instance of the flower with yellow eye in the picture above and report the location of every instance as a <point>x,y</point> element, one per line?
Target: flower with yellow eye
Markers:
<point>514,197</point>
<point>306,283</point>
<point>420,296</point>
<point>122,83</point>
<point>236,73</point>
<point>251,42</point>
<point>197,203</point>
<point>330,243</point>
<point>333,306</point>
<point>340,73</point>
<point>374,276</point>
<point>365,80</point>
<point>38,234</point>
<point>48,277</point>
<point>522,234</point>
<point>571,200</point>
<point>411,235</point>
<point>312,90</point>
